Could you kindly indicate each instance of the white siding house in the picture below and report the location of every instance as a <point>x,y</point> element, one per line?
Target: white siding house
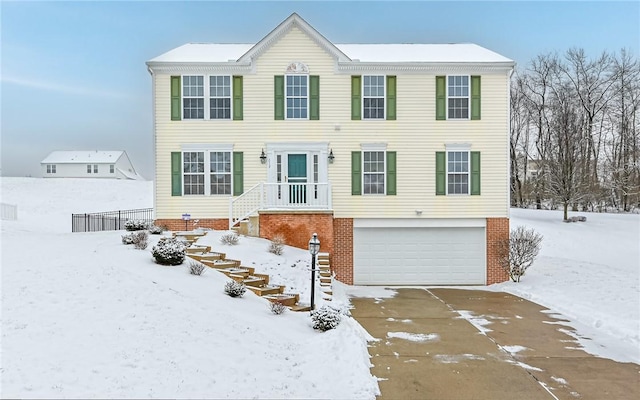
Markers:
<point>88,164</point>
<point>397,155</point>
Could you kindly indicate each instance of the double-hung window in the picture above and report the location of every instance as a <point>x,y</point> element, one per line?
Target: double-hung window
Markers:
<point>297,96</point>
<point>373,89</point>
<point>220,172</point>
<point>458,172</point>
<point>193,170</point>
<point>193,97</point>
<point>373,172</point>
<point>458,97</point>
<point>112,169</point>
<point>51,168</point>
<point>220,97</point>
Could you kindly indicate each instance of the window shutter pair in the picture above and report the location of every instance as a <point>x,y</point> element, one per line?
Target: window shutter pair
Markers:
<point>278,97</point>
<point>356,98</point>
<point>176,104</point>
<point>441,173</point>
<point>356,173</point>
<point>176,173</point>
<point>441,97</point>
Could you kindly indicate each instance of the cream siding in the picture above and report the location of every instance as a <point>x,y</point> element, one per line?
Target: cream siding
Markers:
<point>415,136</point>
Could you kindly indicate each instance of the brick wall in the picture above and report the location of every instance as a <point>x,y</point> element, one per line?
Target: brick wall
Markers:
<point>497,229</point>
<point>342,256</point>
<point>179,225</point>
<point>297,228</point>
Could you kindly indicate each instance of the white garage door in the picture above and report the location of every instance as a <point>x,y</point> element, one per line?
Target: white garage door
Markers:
<point>419,256</point>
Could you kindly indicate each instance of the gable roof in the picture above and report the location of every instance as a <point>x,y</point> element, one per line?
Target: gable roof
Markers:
<point>83,157</point>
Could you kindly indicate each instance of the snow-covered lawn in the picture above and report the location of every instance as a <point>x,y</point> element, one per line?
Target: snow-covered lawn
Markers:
<point>85,316</point>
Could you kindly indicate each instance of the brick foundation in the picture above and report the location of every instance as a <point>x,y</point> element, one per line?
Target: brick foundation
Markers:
<point>297,228</point>
<point>342,257</point>
<point>179,225</point>
<point>497,230</point>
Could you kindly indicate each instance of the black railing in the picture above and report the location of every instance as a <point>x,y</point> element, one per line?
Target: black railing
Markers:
<point>109,220</point>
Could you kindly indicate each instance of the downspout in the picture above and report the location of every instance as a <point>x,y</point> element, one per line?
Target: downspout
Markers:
<point>510,73</point>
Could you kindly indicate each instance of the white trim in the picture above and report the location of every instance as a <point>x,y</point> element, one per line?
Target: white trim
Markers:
<point>374,149</point>
<point>453,150</point>
<point>206,147</point>
<point>384,97</point>
<point>285,148</point>
<point>457,146</point>
<point>298,97</point>
<point>373,146</point>
<point>419,223</point>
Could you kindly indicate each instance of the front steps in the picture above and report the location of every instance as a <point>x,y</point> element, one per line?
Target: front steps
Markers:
<point>256,282</point>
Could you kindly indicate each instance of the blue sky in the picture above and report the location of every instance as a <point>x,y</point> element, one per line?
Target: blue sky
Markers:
<point>74,77</point>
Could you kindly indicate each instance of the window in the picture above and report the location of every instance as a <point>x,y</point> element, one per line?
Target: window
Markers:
<point>373,97</point>
<point>458,97</point>
<point>220,97</point>
<point>88,168</point>
<point>95,168</point>
<point>458,172</point>
<point>193,169</point>
<point>373,172</point>
<point>220,169</point>
<point>51,168</point>
<point>112,169</point>
<point>297,97</point>
<point>193,97</point>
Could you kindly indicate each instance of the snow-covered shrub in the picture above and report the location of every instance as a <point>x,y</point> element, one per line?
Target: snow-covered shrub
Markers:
<point>516,254</point>
<point>235,289</point>
<point>325,318</point>
<point>277,308</point>
<point>169,251</point>
<point>156,230</point>
<point>277,245</point>
<point>231,238</point>
<point>127,239</point>
<point>136,225</point>
<point>196,268</point>
<point>140,240</point>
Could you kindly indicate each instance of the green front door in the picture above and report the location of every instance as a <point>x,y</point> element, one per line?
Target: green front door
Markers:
<point>297,178</point>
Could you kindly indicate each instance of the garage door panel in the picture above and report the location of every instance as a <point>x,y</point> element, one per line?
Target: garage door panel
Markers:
<point>419,256</point>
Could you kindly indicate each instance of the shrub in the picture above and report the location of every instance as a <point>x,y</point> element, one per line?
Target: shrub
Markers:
<point>156,230</point>
<point>136,225</point>
<point>516,254</point>
<point>277,245</point>
<point>277,308</point>
<point>138,239</point>
<point>325,318</point>
<point>169,251</point>
<point>235,289</point>
<point>196,268</point>
<point>231,238</point>
<point>127,239</point>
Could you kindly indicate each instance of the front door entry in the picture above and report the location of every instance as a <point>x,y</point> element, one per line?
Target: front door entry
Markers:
<point>297,178</point>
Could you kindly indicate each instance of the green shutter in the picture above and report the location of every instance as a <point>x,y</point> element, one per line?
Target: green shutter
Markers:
<point>391,98</point>
<point>441,173</point>
<point>356,173</point>
<point>237,98</point>
<point>441,98</point>
<point>238,173</point>
<point>391,173</point>
<point>278,96</point>
<point>314,97</point>
<point>475,172</point>
<point>176,109</point>
<point>475,97</point>
<point>356,101</point>
<point>176,173</point>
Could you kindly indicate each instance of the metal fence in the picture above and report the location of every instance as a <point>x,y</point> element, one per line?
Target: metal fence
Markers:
<point>9,212</point>
<point>109,220</point>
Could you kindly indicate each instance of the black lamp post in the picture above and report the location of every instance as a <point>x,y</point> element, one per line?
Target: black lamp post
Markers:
<point>314,248</point>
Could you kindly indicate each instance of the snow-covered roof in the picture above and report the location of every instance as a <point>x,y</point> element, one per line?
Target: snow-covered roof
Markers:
<point>430,53</point>
<point>82,157</point>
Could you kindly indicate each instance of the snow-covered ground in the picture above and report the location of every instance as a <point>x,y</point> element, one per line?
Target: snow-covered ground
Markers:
<point>85,316</point>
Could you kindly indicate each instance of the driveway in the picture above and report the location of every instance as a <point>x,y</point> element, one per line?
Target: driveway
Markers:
<point>470,344</point>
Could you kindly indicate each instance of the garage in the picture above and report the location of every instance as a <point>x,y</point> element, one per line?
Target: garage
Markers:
<point>415,255</point>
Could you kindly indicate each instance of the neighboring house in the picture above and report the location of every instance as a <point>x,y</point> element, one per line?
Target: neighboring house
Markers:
<point>88,164</point>
<point>395,154</point>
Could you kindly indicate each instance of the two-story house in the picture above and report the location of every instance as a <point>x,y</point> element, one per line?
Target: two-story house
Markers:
<point>395,154</point>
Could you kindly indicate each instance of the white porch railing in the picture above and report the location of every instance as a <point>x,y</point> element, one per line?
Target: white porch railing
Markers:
<point>9,211</point>
<point>285,196</point>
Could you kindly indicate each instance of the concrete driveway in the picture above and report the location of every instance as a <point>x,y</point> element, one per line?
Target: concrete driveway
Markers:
<point>469,344</point>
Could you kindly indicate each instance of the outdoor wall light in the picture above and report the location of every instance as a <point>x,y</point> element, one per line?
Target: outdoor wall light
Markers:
<point>331,157</point>
<point>314,248</point>
<point>263,157</point>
